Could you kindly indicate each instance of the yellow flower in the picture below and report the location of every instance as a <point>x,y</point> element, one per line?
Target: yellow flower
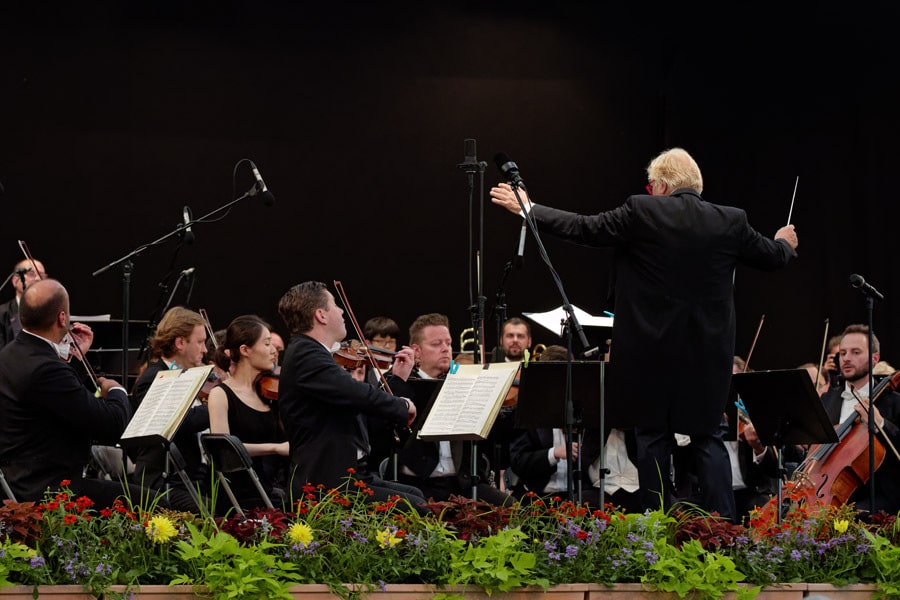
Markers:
<point>160,529</point>
<point>387,539</point>
<point>300,533</point>
<point>840,525</point>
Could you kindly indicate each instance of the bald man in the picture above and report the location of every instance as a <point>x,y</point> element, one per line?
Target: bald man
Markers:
<point>23,275</point>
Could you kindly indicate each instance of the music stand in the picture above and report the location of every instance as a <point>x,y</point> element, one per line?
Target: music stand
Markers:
<point>785,409</point>
<point>542,404</point>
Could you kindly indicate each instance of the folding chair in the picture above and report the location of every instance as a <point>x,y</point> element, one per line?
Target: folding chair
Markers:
<point>228,455</point>
<point>5,486</point>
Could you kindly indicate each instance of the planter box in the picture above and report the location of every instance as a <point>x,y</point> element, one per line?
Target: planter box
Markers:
<point>859,591</point>
<point>636,591</point>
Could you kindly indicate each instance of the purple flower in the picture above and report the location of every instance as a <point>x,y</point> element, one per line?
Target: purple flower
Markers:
<point>571,551</point>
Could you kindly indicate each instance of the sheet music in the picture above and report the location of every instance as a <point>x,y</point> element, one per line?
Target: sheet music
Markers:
<point>469,401</point>
<point>166,402</point>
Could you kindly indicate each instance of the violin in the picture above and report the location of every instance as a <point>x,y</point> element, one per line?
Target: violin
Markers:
<point>266,385</point>
<point>354,354</point>
<point>512,396</point>
<point>212,381</point>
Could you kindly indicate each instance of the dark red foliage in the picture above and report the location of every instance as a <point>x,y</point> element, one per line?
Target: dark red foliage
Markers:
<point>20,521</point>
<point>470,518</point>
<point>257,522</point>
<point>712,532</point>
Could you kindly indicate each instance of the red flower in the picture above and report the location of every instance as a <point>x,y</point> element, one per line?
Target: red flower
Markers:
<point>70,519</point>
<point>52,505</point>
<point>308,488</point>
<point>351,470</point>
<point>69,505</point>
<point>65,483</point>
<point>106,512</point>
<point>582,534</point>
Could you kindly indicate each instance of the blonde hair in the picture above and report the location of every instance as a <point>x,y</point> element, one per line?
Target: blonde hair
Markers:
<point>676,169</point>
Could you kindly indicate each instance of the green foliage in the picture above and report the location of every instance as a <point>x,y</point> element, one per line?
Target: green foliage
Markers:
<point>230,570</point>
<point>696,571</point>
<point>497,563</point>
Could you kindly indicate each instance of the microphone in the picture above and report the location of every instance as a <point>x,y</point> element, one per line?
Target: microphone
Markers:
<point>520,254</point>
<point>859,283</point>
<point>268,198</point>
<point>186,220</point>
<point>187,272</point>
<point>509,169</point>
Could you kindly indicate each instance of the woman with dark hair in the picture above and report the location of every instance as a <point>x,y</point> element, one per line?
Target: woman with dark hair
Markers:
<point>237,407</point>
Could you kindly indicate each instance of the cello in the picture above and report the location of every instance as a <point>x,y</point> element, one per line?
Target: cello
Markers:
<point>831,473</point>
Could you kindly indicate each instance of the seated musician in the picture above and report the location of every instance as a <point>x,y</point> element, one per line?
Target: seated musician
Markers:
<point>178,343</point>
<point>439,469</point>
<point>23,275</point>
<point>841,404</point>
<point>236,406</point>
<point>323,408</point>
<point>49,417</point>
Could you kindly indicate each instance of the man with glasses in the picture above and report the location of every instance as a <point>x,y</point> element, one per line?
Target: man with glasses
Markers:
<point>23,275</point>
<point>675,257</point>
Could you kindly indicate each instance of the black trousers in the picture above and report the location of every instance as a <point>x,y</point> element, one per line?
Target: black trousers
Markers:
<point>711,463</point>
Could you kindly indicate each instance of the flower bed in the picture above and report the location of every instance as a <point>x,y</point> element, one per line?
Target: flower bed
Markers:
<point>337,536</point>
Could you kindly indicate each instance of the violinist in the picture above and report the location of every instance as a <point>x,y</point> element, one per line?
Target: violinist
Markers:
<point>22,276</point>
<point>439,469</point>
<point>236,407</point>
<point>179,342</point>
<point>323,407</point>
<point>278,345</point>
<point>840,404</point>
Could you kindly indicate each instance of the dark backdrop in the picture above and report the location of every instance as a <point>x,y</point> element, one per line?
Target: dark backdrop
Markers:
<point>116,116</point>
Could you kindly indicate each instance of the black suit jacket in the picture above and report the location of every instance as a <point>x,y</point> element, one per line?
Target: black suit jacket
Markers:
<point>320,404</point>
<point>887,476</point>
<point>9,322</point>
<point>674,305</point>
<point>48,418</point>
<point>528,456</point>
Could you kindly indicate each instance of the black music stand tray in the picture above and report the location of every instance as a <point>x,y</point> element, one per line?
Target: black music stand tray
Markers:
<point>785,409</point>
<point>542,402</point>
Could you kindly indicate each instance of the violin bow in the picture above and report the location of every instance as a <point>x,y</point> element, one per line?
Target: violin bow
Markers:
<point>209,329</point>
<point>87,366</point>
<point>359,332</point>
<point>753,345</point>
<point>821,365</point>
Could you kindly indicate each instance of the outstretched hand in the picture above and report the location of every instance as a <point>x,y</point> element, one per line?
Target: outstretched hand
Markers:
<point>503,195</point>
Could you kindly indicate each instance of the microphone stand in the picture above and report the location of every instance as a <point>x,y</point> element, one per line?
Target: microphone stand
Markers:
<point>870,307</point>
<point>571,324</point>
<point>128,268</point>
<point>162,305</point>
<point>472,166</point>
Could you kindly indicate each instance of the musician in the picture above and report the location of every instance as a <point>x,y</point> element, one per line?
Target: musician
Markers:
<point>322,406</point>
<point>840,404</point>
<point>178,343</point>
<point>382,332</point>
<point>22,276</point>
<point>48,418</point>
<point>237,407</point>
<point>277,344</point>
<point>515,339</point>
<point>439,469</point>
<point>675,256</point>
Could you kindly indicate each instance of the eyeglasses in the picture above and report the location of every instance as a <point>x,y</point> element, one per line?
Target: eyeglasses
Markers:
<point>649,187</point>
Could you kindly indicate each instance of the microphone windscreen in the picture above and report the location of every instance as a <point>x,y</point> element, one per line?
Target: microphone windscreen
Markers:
<point>856,280</point>
<point>268,198</point>
<point>501,159</point>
